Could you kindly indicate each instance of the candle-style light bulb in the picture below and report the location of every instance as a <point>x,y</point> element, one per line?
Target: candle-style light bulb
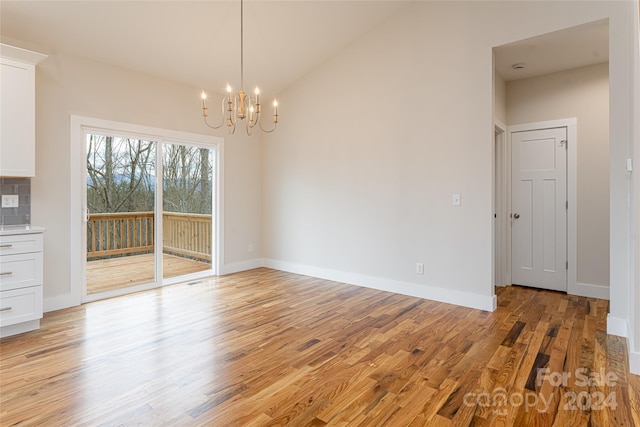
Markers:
<point>257,95</point>
<point>228,89</point>
<point>275,111</point>
<point>204,99</point>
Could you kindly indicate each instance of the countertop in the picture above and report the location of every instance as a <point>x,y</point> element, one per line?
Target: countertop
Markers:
<point>7,230</point>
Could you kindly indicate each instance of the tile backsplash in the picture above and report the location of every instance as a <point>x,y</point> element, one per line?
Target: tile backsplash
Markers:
<point>21,214</point>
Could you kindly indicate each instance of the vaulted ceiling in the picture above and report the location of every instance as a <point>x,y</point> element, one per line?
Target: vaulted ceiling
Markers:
<point>198,42</point>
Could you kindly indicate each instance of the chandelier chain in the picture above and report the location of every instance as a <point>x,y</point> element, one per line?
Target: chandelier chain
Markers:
<point>242,45</point>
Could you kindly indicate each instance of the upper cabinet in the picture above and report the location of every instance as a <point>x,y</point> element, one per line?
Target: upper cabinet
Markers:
<point>18,111</point>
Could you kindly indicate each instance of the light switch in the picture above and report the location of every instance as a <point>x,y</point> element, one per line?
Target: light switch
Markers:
<point>456,200</point>
<point>10,201</point>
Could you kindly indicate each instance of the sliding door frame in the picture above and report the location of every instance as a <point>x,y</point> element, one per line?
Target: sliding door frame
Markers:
<point>81,126</point>
<point>159,211</point>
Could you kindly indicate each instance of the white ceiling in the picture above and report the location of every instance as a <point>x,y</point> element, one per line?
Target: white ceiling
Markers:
<point>198,42</point>
<point>573,47</point>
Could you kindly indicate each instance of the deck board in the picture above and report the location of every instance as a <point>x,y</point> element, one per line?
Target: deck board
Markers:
<point>121,272</point>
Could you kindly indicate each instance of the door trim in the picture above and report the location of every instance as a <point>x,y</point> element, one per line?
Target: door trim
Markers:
<point>502,188</point>
<point>77,183</point>
<point>572,225</point>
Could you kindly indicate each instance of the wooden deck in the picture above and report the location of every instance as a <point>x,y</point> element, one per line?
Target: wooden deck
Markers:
<point>268,348</point>
<point>122,272</point>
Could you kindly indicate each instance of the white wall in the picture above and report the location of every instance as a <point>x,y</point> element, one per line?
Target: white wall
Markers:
<point>360,176</point>
<point>500,98</point>
<point>633,295</point>
<point>582,93</point>
<point>67,85</point>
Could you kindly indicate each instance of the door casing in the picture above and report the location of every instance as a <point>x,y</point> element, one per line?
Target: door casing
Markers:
<point>502,188</point>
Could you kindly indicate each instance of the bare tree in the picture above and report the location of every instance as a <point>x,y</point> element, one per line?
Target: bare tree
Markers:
<point>186,179</point>
<point>119,172</point>
<point>205,184</point>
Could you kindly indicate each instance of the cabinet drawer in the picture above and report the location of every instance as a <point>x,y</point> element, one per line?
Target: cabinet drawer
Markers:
<point>20,244</point>
<point>19,271</point>
<point>20,305</point>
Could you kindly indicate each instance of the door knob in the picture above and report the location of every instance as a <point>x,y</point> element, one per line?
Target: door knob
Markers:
<point>516,215</point>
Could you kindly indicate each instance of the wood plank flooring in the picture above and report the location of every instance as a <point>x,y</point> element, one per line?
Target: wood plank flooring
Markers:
<point>268,348</point>
<point>122,272</point>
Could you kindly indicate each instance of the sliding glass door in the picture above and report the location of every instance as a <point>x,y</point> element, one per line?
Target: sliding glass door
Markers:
<point>187,206</point>
<point>148,222</point>
<point>120,200</point>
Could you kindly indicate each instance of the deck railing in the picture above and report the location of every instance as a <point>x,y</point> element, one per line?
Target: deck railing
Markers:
<point>187,235</point>
<point>127,233</point>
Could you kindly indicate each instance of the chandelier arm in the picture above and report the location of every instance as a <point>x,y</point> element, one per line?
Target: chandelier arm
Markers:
<point>257,122</point>
<point>206,122</point>
<point>253,117</point>
<point>212,127</point>
<point>275,125</point>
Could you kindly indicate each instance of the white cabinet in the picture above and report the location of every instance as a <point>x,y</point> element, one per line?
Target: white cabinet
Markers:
<point>21,278</point>
<point>17,111</point>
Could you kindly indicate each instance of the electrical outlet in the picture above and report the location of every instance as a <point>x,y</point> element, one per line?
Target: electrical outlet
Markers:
<point>419,268</point>
<point>10,201</point>
<point>250,247</point>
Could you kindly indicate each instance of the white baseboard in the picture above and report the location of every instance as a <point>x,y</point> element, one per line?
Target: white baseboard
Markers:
<point>634,356</point>
<point>621,328</point>
<point>634,362</point>
<point>617,326</point>
<point>466,299</point>
<point>591,291</point>
<point>235,267</point>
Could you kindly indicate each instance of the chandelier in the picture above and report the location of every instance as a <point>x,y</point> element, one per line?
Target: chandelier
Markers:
<point>240,106</point>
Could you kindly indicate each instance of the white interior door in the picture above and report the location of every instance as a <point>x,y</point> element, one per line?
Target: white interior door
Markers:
<point>539,208</point>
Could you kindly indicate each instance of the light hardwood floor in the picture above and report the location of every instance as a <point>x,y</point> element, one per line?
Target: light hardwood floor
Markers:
<point>270,348</point>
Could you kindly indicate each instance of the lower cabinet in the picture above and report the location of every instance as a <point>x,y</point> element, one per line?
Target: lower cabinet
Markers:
<point>21,305</point>
<point>21,278</point>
